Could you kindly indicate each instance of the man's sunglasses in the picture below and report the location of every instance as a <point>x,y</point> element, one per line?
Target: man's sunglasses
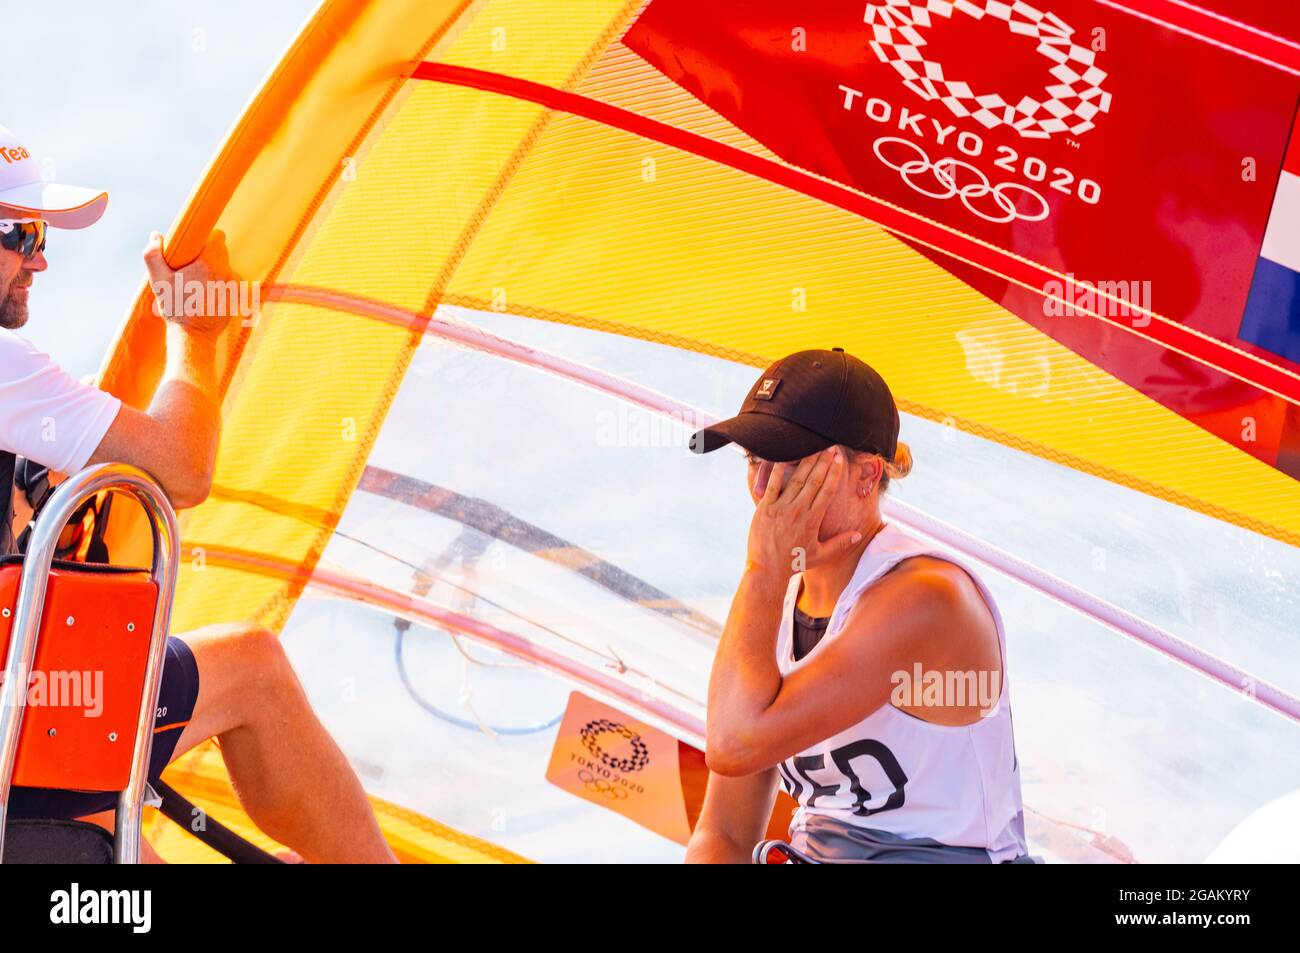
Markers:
<point>28,238</point>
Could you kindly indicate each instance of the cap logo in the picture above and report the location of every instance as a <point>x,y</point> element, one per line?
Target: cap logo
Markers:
<point>767,388</point>
<point>16,154</point>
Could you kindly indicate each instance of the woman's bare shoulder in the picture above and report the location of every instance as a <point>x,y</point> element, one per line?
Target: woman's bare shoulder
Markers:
<point>947,604</point>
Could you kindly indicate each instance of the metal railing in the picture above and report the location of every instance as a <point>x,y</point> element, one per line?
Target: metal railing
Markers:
<point>27,621</point>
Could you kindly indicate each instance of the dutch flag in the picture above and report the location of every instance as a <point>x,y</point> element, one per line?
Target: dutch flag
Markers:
<point>1272,315</point>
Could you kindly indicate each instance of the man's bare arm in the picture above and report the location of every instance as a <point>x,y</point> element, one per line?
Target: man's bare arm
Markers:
<point>175,440</point>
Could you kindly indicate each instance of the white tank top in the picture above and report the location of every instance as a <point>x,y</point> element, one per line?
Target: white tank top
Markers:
<point>894,773</point>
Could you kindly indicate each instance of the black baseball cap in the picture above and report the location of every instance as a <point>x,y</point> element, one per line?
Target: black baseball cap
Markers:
<point>807,402</point>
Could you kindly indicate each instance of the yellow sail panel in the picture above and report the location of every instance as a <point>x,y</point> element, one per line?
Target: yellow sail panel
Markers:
<point>393,232</point>
<point>288,451</point>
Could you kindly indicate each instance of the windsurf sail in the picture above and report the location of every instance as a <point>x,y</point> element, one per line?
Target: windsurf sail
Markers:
<point>510,255</point>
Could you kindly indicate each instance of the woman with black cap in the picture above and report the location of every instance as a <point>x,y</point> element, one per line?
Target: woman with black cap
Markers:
<point>863,669</point>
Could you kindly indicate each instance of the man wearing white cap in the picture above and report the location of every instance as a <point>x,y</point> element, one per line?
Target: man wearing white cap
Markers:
<point>231,682</point>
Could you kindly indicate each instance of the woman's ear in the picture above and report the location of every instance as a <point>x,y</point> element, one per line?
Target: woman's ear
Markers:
<point>867,471</point>
<point>861,474</point>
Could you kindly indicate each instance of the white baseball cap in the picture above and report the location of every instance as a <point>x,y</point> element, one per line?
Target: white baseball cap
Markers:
<point>24,195</point>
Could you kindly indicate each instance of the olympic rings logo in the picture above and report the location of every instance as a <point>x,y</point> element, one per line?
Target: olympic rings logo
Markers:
<point>945,174</point>
<point>601,786</point>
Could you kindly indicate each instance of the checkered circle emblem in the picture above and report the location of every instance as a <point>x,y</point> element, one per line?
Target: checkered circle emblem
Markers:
<point>1068,104</point>
<point>593,731</point>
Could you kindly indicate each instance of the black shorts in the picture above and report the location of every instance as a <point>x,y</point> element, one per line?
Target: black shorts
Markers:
<point>176,698</point>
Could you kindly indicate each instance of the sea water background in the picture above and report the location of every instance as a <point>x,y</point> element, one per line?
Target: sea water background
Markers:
<point>1111,735</point>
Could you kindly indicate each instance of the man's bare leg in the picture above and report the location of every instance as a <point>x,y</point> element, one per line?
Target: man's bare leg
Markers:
<point>292,779</point>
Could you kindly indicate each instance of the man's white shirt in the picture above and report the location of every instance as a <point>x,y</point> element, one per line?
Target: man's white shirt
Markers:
<point>46,415</point>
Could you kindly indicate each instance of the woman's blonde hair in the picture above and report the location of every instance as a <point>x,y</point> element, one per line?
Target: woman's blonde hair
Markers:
<point>895,469</point>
